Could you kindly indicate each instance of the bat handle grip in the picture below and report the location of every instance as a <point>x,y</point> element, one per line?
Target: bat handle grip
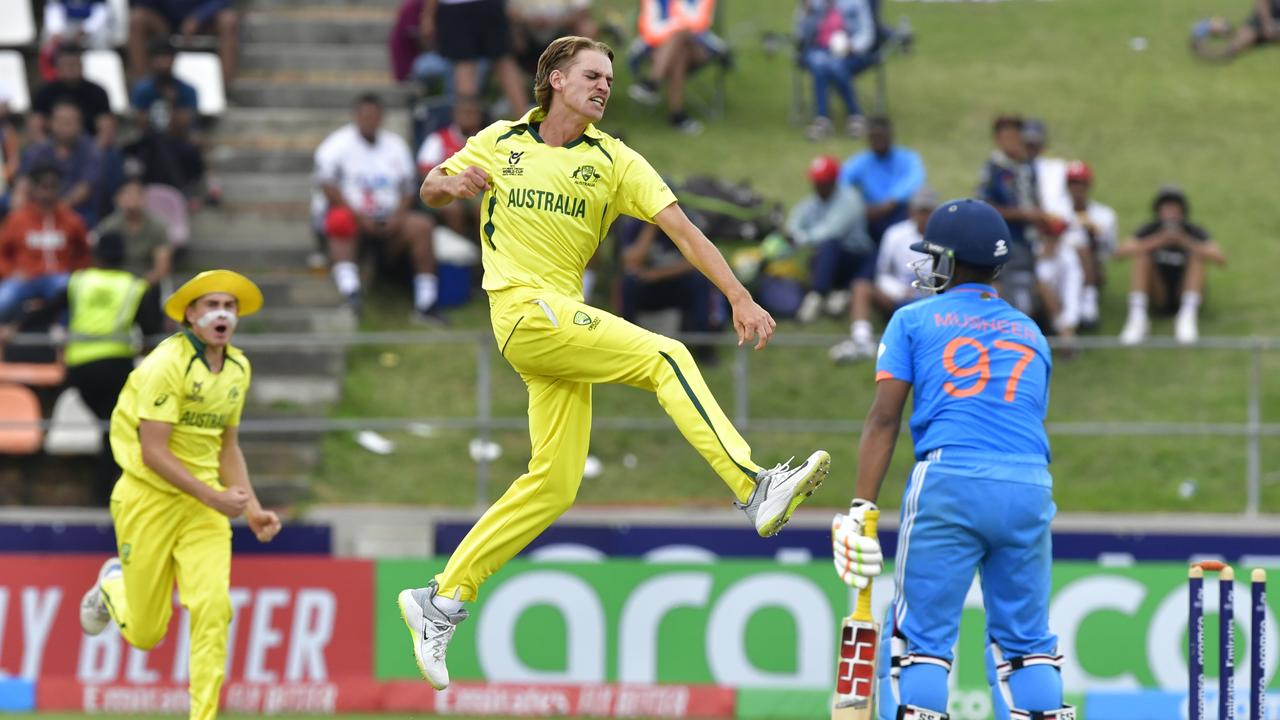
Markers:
<point>862,610</point>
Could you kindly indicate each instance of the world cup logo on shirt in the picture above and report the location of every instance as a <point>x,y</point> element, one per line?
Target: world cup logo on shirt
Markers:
<point>513,160</point>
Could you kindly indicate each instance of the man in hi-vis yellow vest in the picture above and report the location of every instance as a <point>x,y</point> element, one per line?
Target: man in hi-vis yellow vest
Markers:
<point>102,303</point>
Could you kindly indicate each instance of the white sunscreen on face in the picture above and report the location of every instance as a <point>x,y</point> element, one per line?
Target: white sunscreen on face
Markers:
<point>214,316</point>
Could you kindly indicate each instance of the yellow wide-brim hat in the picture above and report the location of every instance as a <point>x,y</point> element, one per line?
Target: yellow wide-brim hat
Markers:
<point>248,296</point>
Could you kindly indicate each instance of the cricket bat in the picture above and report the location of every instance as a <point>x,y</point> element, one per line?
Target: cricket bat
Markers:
<point>859,642</point>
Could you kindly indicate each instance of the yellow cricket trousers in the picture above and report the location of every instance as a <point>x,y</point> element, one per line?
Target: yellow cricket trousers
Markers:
<point>561,347</point>
<point>162,537</point>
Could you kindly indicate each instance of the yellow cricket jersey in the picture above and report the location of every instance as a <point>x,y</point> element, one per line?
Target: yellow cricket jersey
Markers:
<point>174,385</point>
<point>549,208</point>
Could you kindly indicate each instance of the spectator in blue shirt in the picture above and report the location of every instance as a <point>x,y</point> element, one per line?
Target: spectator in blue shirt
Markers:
<point>832,221</point>
<point>149,19</point>
<point>164,109</point>
<point>76,157</point>
<point>886,175</point>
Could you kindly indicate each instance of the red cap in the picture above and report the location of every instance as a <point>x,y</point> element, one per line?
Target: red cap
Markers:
<point>824,168</point>
<point>340,224</point>
<point>1055,225</point>
<point>1079,171</point>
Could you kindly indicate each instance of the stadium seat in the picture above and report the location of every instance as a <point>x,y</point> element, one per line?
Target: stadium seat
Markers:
<point>19,404</point>
<point>18,28</point>
<point>73,429</point>
<point>120,29</point>
<point>35,374</point>
<point>105,68</point>
<point>203,71</point>
<point>13,78</point>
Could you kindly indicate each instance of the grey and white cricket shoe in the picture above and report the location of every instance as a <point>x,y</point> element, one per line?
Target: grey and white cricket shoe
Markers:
<point>94,616</point>
<point>431,628</point>
<point>780,490</point>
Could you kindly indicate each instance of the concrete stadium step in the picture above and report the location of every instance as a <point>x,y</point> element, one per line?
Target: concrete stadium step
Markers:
<point>319,25</point>
<point>262,157</point>
<point>274,457</point>
<point>266,188</point>
<point>280,490</point>
<point>301,361</point>
<point>297,319</point>
<point>356,58</point>
<point>295,389</point>
<point>335,94</point>
<point>241,125</point>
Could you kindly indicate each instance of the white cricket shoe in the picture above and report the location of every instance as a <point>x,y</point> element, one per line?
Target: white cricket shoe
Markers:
<point>780,490</point>
<point>1185,328</point>
<point>809,308</point>
<point>432,629</point>
<point>94,616</point>
<point>1135,329</point>
<point>851,351</point>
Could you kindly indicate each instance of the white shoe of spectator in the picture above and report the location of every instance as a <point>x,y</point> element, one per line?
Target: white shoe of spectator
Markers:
<point>1135,329</point>
<point>855,126</point>
<point>819,129</point>
<point>837,302</point>
<point>1185,328</point>
<point>644,92</point>
<point>688,126</point>
<point>809,308</point>
<point>850,351</point>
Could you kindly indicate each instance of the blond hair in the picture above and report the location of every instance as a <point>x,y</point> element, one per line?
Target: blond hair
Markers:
<point>558,55</point>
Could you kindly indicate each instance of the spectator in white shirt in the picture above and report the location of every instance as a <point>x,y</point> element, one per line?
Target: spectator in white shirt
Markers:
<point>1091,231</point>
<point>892,287</point>
<point>1061,279</point>
<point>368,194</point>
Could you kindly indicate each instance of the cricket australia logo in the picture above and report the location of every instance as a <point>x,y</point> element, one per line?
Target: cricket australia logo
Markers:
<point>233,393</point>
<point>581,318</point>
<point>513,162</point>
<point>585,175</point>
<point>1001,249</point>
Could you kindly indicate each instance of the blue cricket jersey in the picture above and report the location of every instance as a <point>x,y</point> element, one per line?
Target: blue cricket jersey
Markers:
<point>979,370</point>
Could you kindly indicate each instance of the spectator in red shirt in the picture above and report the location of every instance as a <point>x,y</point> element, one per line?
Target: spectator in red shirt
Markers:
<point>40,244</point>
<point>468,119</point>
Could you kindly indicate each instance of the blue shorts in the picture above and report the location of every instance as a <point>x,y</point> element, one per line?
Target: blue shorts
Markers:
<point>963,512</point>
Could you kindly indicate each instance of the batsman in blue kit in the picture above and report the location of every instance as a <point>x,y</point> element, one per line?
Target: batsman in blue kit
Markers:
<point>980,495</point>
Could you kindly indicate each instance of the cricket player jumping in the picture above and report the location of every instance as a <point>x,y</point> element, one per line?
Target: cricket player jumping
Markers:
<point>980,496</point>
<point>174,433</point>
<point>552,185</point>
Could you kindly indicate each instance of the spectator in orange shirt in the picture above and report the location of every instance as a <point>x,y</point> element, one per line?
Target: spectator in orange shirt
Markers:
<point>40,244</point>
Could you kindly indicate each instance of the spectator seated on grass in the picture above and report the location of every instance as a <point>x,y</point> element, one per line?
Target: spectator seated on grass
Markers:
<point>165,114</point>
<point>153,19</point>
<point>41,243</point>
<point>148,252</point>
<point>1008,182</point>
<point>462,216</point>
<point>535,23</point>
<point>836,42</point>
<point>1060,279</point>
<point>472,33</point>
<point>885,175</point>
<point>830,220</point>
<point>895,273</point>
<point>1091,230</point>
<point>655,276</point>
<point>103,303</point>
<point>70,85</point>
<point>414,48</point>
<point>368,199</point>
<point>676,39</point>
<point>1169,255</point>
<point>1215,39</point>
<point>1050,172</point>
<point>77,158</point>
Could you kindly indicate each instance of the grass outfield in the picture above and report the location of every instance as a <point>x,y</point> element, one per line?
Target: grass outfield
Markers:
<point>1140,118</point>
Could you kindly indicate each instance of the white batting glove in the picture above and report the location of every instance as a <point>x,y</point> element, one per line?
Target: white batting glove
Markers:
<point>857,558</point>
